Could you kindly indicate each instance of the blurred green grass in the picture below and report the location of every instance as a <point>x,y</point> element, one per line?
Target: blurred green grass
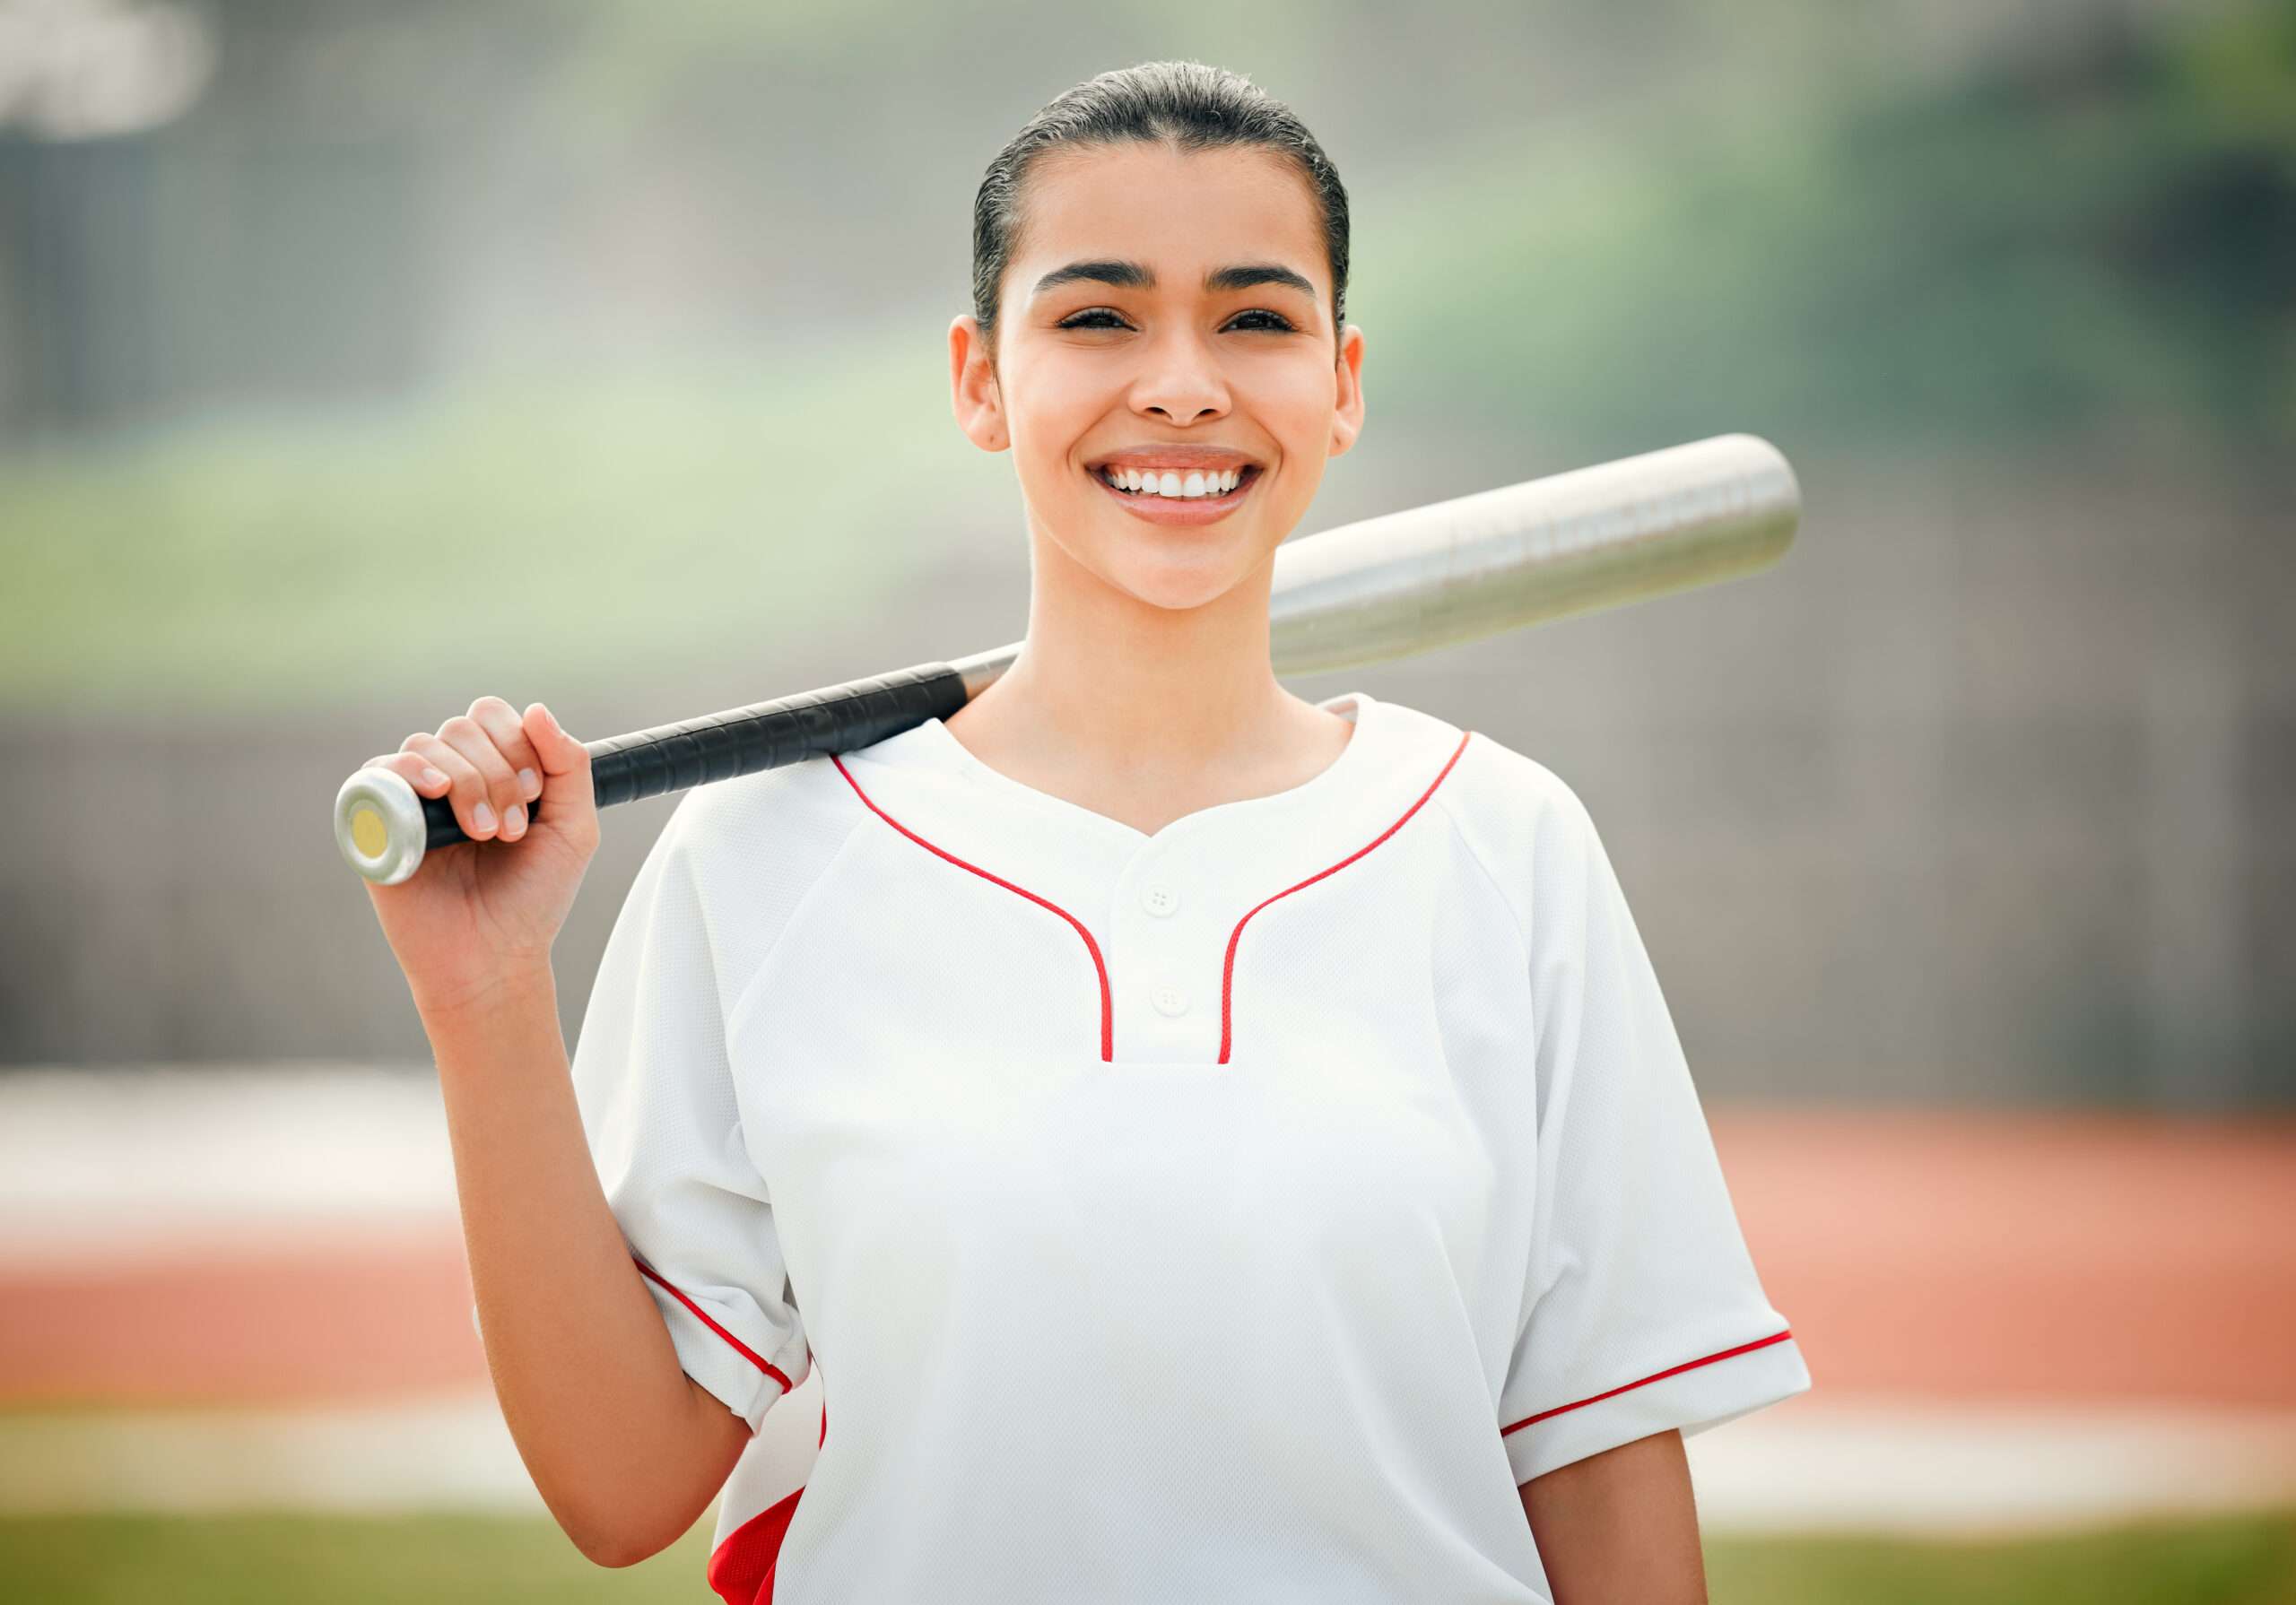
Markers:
<point>586,527</point>
<point>2034,253</point>
<point>2247,1559</point>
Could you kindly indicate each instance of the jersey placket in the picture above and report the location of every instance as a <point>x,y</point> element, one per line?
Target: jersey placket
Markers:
<point>1166,945</point>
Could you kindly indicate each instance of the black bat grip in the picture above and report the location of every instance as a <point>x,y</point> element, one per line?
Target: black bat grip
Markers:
<point>742,741</point>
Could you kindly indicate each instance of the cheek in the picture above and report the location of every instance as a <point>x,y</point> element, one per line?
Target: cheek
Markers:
<point>1294,403</point>
<point>1051,405</point>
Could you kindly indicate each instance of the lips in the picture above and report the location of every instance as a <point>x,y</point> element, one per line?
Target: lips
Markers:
<point>1180,459</point>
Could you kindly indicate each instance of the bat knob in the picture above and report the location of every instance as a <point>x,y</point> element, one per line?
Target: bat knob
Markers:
<point>379,826</point>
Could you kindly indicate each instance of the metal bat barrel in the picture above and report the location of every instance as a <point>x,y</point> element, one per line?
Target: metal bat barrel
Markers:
<point>1451,571</point>
<point>1381,588</point>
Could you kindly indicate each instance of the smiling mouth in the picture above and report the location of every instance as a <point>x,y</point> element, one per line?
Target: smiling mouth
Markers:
<point>1178,495</point>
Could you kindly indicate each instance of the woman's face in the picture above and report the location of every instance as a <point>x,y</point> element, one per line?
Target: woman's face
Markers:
<point>1165,313</point>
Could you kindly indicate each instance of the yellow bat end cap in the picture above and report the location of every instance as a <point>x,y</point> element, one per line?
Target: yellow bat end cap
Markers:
<point>367,832</point>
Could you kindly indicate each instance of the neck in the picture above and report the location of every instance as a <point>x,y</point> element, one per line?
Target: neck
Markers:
<point>1182,698</point>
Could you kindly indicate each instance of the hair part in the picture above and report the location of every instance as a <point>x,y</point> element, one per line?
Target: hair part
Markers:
<point>1186,104</point>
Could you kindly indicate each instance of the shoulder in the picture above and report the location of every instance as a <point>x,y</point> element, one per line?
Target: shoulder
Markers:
<point>750,846</point>
<point>720,884</point>
<point>791,803</point>
<point>1520,819</point>
<point>1501,799</point>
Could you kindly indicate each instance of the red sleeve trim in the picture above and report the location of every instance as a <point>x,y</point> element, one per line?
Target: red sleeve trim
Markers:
<point>743,1350</point>
<point>1778,1337</point>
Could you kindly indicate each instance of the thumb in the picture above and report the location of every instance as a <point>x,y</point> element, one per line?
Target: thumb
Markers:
<point>564,760</point>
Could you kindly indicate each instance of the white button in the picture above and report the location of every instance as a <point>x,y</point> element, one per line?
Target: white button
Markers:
<point>1158,900</point>
<point>1169,1000</point>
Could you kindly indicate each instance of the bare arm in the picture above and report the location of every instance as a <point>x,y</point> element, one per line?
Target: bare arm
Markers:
<point>1620,1528</point>
<point>625,1449</point>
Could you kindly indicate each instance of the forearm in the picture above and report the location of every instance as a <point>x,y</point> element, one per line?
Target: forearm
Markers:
<point>624,1448</point>
<point>1620,1527</point>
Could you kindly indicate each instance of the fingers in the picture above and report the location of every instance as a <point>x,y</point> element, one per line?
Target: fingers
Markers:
<point>561,753</point>
<point>467,786</point>
<point>492,763</point>
<point>501,798</point>
<point>566,763</point>
<point>500,721</point>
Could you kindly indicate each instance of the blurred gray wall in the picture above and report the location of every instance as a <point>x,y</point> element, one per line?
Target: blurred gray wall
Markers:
<point>1981,796</point>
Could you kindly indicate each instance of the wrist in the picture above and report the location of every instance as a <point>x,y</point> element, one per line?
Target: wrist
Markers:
<point>514,986</point>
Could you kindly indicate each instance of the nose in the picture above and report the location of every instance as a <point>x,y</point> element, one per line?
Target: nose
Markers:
<point>1179,379</point>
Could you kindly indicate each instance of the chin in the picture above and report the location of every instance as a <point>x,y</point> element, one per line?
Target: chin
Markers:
<point>1178,580</point>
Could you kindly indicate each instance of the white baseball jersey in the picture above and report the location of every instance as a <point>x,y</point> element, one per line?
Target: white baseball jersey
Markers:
<point>1236,1212</point>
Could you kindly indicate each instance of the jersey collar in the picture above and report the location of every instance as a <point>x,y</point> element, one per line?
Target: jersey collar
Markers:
<point>934,743</point>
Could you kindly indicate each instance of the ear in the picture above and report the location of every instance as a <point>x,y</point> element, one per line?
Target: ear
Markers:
<point>1347,379</point>
<point>973,389</point>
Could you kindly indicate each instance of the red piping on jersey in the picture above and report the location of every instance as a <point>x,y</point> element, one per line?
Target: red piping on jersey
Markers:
<point>1107,1006</point>
<point>1778,1337</point>
<point>1227,969</point>
<point>743,1350</point>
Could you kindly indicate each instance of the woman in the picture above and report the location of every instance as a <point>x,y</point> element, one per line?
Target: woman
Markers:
<point>1222,1147</point>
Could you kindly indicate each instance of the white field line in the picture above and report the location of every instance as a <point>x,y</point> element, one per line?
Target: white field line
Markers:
<point>1992,1470</point>
<point>1795,1467</point>
<point>131,1161</point>
<point>449,1454</point>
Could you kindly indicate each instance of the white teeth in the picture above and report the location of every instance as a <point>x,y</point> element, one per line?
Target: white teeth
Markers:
<point>1171,483</point>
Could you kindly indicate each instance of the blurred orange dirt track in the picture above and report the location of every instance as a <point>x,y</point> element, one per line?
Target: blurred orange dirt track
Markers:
<point>1947,1257</point>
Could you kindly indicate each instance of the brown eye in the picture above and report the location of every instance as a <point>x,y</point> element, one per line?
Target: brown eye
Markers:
<point>1277,324</point>
<point>1077,320</point>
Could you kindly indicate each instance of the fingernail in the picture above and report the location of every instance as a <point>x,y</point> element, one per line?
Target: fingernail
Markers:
<point>514,821</point>
<point>482,817</point>
<point>432,778</point>
<point>530,781</point>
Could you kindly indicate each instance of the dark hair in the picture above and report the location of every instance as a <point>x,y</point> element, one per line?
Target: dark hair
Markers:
<point>1186,103</point>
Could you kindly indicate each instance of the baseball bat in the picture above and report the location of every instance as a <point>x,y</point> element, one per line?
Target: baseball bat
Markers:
<point>1380,588</point>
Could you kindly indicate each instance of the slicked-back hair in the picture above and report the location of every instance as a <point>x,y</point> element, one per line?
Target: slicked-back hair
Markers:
<point>1187,104</point>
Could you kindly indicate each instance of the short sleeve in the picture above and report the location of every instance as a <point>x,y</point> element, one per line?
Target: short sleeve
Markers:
<point>1641,1309</point>
<point>665,1129</point>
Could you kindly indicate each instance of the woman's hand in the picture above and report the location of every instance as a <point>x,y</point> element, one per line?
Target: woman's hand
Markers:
<point>477,916</point>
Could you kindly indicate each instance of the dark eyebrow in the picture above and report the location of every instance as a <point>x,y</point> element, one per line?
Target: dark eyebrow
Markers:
<point>1125,275</point>
<point>1132,275</point>
<point>1258,272</point>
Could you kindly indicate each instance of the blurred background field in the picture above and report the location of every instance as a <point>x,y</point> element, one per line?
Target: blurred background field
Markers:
<point>358,361</point>
<point>375,1560</point>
